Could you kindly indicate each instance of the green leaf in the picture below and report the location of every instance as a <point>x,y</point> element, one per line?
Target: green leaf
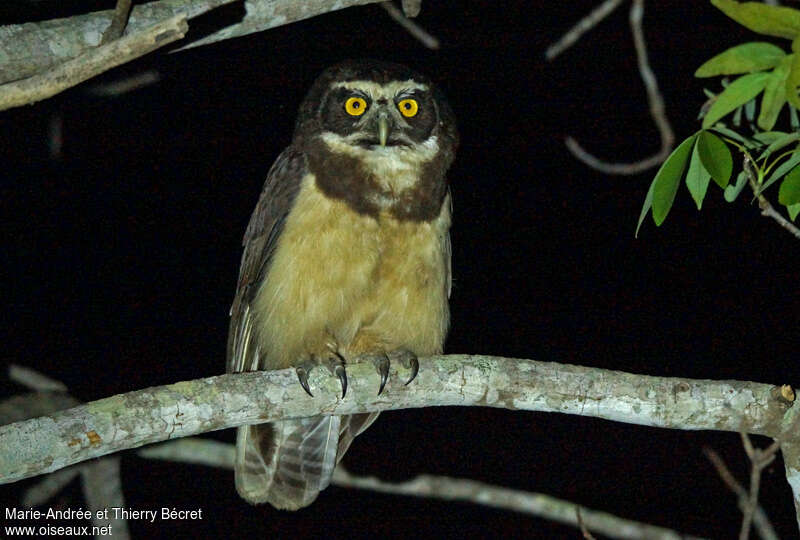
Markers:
<point>782,169</point>
<point>716,157</point>
<point>769,20</point>
<point>793,211</point>
<point>668,178</point>
<point>750,110</point>
<point>768,137</point>
<point>774,95</point>
<point>793,80</point>
<point>782,140</point>
<point>648,203</point>
<point>697,178</point>
<point>726,132</point>
<point>789,193</point>
<point>733,191</point>
<point>745,58</point>
<point>735,95</point>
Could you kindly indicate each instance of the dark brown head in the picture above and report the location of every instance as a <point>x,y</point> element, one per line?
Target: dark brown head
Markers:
<point>378,135</point>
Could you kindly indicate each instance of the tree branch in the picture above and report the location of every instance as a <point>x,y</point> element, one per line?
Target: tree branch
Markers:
<point>91,63</point>
<point>49,443</point>
<point>217,454</point>
<point>410,26</point>
<point>29,48</point>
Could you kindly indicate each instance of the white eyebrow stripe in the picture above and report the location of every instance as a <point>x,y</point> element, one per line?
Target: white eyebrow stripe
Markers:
<point>377,90</point>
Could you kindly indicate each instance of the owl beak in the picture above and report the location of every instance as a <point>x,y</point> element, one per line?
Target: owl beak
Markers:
<point>383,127</point>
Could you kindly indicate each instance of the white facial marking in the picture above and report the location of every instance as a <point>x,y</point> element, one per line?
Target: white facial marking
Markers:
<point>377,91</point>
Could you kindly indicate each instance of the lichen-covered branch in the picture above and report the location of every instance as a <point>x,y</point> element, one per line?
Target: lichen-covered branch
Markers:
<point>30,48</point>
<point>51,442</point>
<point>91,63</point>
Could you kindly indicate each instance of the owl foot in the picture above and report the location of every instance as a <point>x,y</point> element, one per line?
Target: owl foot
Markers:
<point>383,360</point>
<point>334,362</point>
<point>409,361</point>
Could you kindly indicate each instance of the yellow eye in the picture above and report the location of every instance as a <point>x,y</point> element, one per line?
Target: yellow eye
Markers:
<point>355,106</point>
<point>408,107</point>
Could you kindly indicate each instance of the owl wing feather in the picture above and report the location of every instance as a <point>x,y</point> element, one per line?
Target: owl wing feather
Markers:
<point>260,239</point>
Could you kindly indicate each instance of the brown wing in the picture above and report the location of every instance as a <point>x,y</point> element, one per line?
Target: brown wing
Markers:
<point>266,223</point>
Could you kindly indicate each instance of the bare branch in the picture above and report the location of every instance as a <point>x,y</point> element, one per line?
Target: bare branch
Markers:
<point>760,519</point>
<point>411,7</point>
<point>102,488</point>
<point>656,104</point>
<point>49,486</point>
<point>91,63</point>
<point>142,417</point>
<point>759,460</point>
<point>410,26</point>
<point>584,25</point>
<point>217,454</point>
<point>763,202</point>
<point>126,84</point>
<point>118,22</point>
<point>34,380</point>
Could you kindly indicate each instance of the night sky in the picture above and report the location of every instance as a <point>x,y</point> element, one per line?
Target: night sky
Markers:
<point>121,257</point>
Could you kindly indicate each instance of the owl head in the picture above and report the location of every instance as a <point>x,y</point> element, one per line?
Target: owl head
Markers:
<point>380,137</point>
<point>377,106</point>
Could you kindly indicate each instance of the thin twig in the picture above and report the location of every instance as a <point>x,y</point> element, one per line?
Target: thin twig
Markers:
<point>764,204</point>
<point>656,104</point>
<point>118,22</point>
<point>759,460</point>
<point>34,380</point>
<point>410,26</point>
<point>91,63</point>
<point>411,7</point>
<point>760,519</point>
<point>584,25</point>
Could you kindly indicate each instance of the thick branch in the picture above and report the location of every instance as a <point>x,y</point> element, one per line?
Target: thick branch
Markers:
<point>49,443</point>
<point>29,48</point>
<point>91,63</point>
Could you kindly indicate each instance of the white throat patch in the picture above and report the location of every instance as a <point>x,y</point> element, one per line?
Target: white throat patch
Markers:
<point>395,168</point>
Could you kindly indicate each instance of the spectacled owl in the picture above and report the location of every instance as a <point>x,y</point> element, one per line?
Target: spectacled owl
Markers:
<point>346,257</point>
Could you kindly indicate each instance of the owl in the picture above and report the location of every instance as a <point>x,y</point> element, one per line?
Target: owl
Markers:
<point>346,258</point>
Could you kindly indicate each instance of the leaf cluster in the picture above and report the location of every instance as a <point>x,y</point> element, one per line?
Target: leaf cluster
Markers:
<point>763,68</point>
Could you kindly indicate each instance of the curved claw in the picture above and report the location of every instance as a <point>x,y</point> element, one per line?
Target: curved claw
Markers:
<point>414,368</point>
<point>302,375</point>
<point>340,372</point>
<point>382,364</point>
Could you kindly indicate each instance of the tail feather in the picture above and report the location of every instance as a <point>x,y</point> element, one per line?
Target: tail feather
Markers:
<point>286,463</point>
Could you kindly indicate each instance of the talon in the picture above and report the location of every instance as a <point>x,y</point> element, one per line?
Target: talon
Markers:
<point>340,372</point>
<point>302,374</point>
<point>414,368</point>
<point>382,365</point>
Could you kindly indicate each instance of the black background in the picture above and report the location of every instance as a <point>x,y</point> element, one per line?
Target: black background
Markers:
<point>121,259</point>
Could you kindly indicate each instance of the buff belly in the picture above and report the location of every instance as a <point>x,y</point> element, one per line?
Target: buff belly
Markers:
<point>343,280</point>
